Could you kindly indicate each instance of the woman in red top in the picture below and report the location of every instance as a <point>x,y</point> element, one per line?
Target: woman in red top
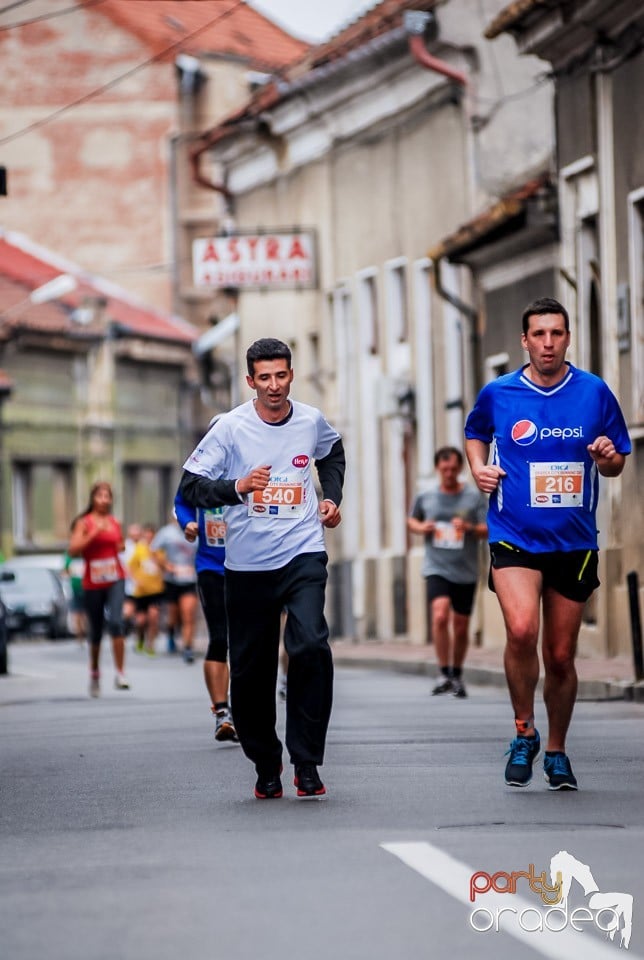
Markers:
<point>97,537</point>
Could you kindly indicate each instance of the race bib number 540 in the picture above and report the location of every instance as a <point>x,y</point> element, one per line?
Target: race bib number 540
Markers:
<point>556,484</point>
<point>283,500</point>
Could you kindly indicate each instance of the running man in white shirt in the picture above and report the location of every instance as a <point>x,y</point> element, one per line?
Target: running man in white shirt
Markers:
<point>257,460</point>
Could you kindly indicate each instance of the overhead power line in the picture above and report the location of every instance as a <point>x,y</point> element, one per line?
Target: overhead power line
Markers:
<point>12,6</point>
<point>47,16</point>
<point>65,10</point>
<point>124,76</point>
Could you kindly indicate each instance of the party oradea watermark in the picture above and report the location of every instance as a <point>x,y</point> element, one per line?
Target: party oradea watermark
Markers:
<point>610,912</point>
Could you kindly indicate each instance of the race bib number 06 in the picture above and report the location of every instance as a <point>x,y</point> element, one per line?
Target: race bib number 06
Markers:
<point>556,484</point>
<point>282,500</point>
<point>215,527</point>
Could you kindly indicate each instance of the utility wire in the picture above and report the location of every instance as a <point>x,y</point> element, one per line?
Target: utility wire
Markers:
<point>48,16</point>
<point>12,6</point>
<point>124,76</point>
<point>78,6</point>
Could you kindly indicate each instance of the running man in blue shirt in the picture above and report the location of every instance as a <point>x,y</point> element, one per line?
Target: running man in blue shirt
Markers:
<point>551,429</point>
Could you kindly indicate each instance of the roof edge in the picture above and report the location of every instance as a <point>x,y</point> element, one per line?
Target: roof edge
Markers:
<point>494,216</point>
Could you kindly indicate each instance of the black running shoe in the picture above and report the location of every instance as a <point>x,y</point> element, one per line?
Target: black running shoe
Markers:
<point>558,772</point>
<point>458,688</point>
<point>307,780</point>
<point>268,787</point>
<point>523,752</point>
<point>443,686</point>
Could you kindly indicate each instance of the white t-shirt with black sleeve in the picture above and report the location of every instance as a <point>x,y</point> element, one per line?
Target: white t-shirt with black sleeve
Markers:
<point>271,526</point>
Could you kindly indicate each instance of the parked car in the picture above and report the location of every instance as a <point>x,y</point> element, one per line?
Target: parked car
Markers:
<point>34,599</point>
<point>53,561</point>
<point>3,639</point>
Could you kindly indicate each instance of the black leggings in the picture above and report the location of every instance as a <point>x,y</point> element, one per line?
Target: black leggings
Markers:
<point>211,593</point>
<point>104,608</point>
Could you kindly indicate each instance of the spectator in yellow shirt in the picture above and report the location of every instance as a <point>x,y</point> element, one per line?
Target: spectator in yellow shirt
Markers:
<point>148,590</point>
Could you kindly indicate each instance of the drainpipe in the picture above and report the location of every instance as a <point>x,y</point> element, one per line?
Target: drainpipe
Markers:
<point>470,314</point>
<point>195,165</point>
<point>246,118</point>
<point>415,22</point>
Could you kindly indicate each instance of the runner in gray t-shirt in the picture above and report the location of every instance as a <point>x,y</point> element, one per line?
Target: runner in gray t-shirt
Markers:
<point>451,516</point>
<point>177,558</point>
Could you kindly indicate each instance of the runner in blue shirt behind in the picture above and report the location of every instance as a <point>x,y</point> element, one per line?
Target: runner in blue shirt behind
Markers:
<point>551,429</point>
<point>209,526</point>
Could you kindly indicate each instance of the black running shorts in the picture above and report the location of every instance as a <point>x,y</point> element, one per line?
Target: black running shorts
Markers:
<point>572,573</point>
<point>461,595</point>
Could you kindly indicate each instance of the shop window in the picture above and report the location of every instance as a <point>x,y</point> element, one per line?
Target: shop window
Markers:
<point>368,308</point>
<point>42,504</point>
<point>148,496</point>
<point>634,323</point>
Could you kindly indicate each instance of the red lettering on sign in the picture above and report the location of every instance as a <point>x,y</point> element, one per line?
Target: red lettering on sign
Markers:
<point>272,248</point>
<point>210,253</point>
<point>296,249</point>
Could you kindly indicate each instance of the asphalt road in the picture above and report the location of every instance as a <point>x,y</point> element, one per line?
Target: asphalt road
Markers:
<point>127,832</point>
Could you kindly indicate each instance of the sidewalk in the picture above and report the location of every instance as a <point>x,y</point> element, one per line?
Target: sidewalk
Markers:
<point>600,678</point>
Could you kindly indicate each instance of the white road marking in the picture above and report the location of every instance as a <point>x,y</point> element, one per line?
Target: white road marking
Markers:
<point>453,877</point>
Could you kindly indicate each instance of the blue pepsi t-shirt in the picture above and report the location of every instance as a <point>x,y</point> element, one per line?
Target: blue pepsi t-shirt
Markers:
<point>211,549</point>
<point>539,436</point>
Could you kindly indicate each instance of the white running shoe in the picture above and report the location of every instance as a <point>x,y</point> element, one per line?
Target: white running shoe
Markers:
<point>121,682</point>
<point>224,727</point>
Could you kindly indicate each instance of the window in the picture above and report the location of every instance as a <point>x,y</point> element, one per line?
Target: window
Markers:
<point>636,277</point>
<point>397,301</point>
<point>316,374</point>
<point>147,494</point>
<point>588,291</point>
<point>368,308</point>
<point>42,503</point>
<point>496,366</point>
<point>370,378</point>
<point>347,418</point>
<point>423,361</point>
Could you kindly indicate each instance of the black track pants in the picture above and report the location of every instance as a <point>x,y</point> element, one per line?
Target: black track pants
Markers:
<point>254,602</point>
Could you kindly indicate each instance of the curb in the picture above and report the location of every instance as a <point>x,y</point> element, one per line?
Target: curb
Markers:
<point>479,676</point>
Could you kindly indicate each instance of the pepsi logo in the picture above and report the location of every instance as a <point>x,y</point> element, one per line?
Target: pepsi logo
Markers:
<point>300,461</point>
<point>524,432</point>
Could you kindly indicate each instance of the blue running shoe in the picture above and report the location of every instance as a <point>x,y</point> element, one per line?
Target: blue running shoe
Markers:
<point>558,772</point>
<point>523,752</point>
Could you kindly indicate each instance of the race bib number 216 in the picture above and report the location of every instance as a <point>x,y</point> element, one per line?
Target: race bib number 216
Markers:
<point>556,484</point>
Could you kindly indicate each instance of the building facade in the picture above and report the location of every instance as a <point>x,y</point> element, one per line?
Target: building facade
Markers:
<point>595,52</point>
<point>97,101</point>
<point>379,144</point>
<point>99,387</point>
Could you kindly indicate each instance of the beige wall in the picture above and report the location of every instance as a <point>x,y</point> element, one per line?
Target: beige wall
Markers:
<point>91,183</point>
<point>379,196</point>
<point>95,184</point>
